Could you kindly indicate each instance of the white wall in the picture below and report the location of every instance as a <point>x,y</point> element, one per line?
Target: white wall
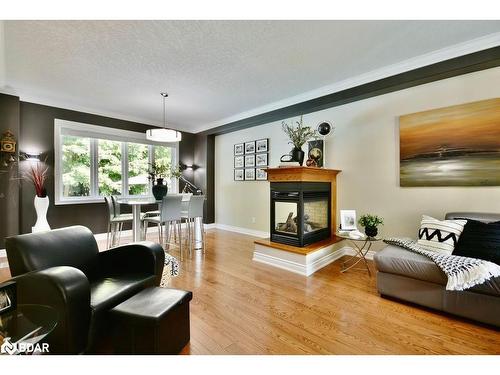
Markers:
<point>365,146</point>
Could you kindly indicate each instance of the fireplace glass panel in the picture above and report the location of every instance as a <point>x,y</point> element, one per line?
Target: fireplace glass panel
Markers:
<point>285,217</point>
<point>315,215</point>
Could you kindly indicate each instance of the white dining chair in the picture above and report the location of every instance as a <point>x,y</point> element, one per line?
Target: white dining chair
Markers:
<point>168,221</point>
<point>194,210</point>
<point>115,222</point>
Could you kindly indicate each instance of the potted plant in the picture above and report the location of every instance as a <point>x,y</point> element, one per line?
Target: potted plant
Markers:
<point>158,172</point>
<point>370,223</point>
<point>298,135</point>
<point>37,175</point>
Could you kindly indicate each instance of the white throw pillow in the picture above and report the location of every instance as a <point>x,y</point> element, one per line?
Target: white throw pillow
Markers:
<point>440,236</point>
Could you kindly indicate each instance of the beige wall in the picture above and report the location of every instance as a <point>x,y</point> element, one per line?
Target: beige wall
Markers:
<point>365,146</point>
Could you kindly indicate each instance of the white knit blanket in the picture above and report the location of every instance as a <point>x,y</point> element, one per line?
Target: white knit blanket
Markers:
<point>462,272</point>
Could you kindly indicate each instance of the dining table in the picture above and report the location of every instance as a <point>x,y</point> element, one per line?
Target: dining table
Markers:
<point>136,204</point>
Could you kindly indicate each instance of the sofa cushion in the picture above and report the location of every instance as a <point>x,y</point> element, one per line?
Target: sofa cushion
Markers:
<point>399,261</point>
<point>480,240</point>
<point>107,292</point>
<point>440,235</point>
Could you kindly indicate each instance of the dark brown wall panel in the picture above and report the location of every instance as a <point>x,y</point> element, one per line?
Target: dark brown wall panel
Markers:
<point>9,185</point>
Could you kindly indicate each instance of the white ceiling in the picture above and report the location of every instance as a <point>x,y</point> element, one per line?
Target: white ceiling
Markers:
<point>214,71</point>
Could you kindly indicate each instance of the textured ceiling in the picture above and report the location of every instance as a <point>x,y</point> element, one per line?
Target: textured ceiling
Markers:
<point>212,69</point>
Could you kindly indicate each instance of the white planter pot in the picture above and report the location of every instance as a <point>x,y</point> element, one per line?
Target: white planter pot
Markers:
<point>41,207</point>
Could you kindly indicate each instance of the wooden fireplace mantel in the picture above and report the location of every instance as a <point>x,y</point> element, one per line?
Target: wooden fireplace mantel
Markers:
<point>310,174</point>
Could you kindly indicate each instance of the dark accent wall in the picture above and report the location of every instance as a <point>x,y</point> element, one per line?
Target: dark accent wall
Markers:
<point>204,158</point>
<point>37,134</point>
<point>9,185</point>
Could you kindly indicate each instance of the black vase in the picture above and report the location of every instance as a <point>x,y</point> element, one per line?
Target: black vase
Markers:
<point>159,190</point>
<point>298,155</point>
<point>371,231</point>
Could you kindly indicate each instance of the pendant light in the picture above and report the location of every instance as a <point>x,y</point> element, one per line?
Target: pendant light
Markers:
<point>163,134</point>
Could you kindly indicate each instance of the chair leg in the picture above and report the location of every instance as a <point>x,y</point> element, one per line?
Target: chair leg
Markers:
<point>160,234</point>
<point>167,235</point>
<point>107,235</point>
<point>179,230</point>
<point>120,229</point>
<point>113,235</point>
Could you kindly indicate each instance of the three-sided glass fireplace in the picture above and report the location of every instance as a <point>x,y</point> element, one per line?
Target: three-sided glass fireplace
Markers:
<point>300,212</point>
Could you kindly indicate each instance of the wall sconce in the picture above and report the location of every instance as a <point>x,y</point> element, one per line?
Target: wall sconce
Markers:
<point>189,167</point>
<point>32,156</point>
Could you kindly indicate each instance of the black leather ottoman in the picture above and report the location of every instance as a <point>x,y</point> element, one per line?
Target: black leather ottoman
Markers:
<point>154,321</point>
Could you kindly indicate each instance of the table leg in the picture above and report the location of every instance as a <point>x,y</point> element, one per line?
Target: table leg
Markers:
<point>359,256</point>
<point>136,222</point>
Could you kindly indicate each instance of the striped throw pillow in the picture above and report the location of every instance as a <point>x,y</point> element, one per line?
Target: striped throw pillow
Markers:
<point>440,236</point>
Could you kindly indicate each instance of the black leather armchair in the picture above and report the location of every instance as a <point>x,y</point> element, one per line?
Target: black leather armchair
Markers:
<point>63,268</point>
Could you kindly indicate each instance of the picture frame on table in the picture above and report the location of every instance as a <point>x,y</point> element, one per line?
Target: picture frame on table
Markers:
<point>348,220</point>
<point>260,174</point>
<point>261,160</point>
<point>249,161</point>
<point>239,161</point>
<point>250,174</point>
<point>239,175</point>
<point>250,147</point>
<point>239,149</point>
<point>262,145</point>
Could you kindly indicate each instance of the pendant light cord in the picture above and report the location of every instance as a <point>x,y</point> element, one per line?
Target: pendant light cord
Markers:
<point>164,94</point>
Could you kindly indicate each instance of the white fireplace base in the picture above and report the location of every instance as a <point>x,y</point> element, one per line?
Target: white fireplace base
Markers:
<point>303,264</point>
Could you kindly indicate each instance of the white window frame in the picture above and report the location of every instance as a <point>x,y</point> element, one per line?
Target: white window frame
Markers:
<point>94,132</point>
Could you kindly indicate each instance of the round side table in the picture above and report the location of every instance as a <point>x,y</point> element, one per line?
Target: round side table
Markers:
<point>361,246</point>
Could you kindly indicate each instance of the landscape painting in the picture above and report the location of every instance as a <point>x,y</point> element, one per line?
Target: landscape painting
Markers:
<point>452,146</point>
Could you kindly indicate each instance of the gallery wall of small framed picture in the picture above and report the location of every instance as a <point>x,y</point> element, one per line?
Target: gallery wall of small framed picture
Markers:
<point>250,160</point>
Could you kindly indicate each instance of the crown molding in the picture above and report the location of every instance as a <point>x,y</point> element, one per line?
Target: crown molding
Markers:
<point>448,53</point>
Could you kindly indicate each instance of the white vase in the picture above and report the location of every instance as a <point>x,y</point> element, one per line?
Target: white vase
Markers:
<point>41,207</point>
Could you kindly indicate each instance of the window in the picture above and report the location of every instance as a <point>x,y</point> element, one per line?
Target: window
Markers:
<point>94,161</point>
<point>109,163</point>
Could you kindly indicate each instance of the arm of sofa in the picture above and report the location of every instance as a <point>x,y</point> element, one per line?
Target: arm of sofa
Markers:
<point>147,257</point>
<point>66,289</point>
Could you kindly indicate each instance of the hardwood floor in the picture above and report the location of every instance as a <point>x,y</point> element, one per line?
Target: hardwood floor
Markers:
<point>244,307</point>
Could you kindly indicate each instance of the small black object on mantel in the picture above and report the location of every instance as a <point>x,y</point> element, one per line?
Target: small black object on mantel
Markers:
<point>8,296</point>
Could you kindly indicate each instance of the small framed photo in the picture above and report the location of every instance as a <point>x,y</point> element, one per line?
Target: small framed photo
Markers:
<point>239,161</point>
<point>260,174</point>
<point>261,160</point>
<point>250,147</point>
<point>8,300</point>
<point>249,174</point>
<point>262,145</point>
<point>239,175</point>
<point>348,220</point>
<point>239,149</point>
<point>249,161</point>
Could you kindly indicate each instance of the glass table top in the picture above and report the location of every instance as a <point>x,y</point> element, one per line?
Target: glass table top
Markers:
<point>27,325</point>
<point>361,237</point>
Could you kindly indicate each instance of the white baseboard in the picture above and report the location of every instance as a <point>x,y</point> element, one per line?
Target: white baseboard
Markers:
<point>304,265</point>
<point>249,232</point>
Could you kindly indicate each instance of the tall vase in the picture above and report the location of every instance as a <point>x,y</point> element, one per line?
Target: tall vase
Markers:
<point>298,155</point>
<point>159,190</point>
<point>41,207</point>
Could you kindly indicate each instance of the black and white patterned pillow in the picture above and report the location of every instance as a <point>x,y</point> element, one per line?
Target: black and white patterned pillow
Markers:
<point>440,236</point>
